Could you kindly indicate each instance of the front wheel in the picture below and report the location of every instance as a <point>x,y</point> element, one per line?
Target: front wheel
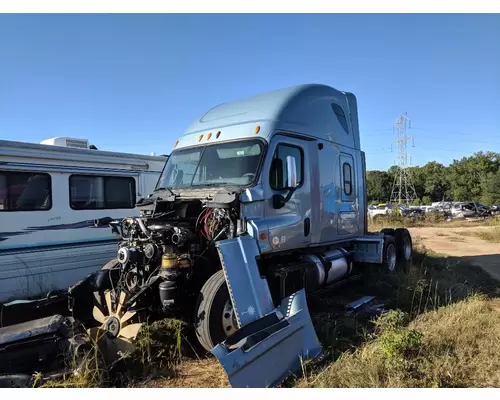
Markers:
<point>215,319</point>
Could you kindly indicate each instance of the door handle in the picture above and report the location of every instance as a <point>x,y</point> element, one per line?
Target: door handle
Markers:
<point>307,227</point>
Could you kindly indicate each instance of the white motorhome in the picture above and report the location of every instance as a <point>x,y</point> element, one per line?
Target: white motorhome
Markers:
<point>50,193</point>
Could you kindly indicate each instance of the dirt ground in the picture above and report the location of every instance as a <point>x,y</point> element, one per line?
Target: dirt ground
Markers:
<point>203,373</point>
<point>462,244</point>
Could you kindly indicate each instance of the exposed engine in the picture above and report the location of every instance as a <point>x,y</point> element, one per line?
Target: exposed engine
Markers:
<point>161,250</point>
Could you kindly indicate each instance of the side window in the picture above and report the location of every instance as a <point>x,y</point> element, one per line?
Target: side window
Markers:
<point>347,172</point>
<point>279,172</point>
<point>92,192</point>
<point>341,116</point>
<point>25,191</point>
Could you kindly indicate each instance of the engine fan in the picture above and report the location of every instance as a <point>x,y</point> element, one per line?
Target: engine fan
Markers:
<point>115,334</point>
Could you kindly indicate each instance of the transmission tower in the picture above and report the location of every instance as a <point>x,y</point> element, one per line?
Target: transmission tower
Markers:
<point>403,191</point>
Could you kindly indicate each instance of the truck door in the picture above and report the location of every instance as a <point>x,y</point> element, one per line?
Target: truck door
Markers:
<point>289,223</point>
<point>349,206</point>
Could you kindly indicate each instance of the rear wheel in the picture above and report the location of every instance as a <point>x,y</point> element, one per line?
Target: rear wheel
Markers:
<point>389,253</point>
<point>215,318</point>
<point>388,231</point>
<point>404,244</point>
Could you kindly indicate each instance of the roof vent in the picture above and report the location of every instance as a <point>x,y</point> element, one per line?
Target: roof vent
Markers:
<point>67,142</point>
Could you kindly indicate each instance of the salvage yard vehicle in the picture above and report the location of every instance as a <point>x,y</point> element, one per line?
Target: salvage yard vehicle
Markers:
<point>261,203</point>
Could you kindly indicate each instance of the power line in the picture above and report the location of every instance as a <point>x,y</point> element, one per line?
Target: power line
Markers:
<point>438,149</point>
<point>378,152</point>
<point>439,131</point>
<point>463,141</point>
<point>452,132</point>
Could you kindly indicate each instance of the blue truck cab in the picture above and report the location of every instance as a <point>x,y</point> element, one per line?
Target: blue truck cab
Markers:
<point>294,153</point>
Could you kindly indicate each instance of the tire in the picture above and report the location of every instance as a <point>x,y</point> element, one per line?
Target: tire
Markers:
<point>388,231</point>
<point>389,254</point>
<point>211,320</point>
<point>404,245</point>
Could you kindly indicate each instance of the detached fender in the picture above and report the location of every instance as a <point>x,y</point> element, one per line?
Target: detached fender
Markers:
<point>271,342</point>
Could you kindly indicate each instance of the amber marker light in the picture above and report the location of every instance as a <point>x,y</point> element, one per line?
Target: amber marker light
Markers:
<point>257,129</point>
<point>200,137</point>
<point>218,134</point>
<point>209,136</point>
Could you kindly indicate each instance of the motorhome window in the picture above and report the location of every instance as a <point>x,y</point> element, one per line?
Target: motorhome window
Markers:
<point>25,191</point>
<point>279,172</point>
<point>347,179</point>
<point>231,163</point>
<point>92,192</point>
<point>340,116</point>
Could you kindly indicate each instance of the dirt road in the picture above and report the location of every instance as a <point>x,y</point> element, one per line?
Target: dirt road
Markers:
<point>463,244</point>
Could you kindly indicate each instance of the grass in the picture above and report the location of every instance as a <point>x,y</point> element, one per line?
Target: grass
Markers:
<point>492,235</point>
<point>442,330</point>
<point>454,346</point>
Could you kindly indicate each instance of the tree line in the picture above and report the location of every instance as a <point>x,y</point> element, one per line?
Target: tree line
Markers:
<point>473,178</point>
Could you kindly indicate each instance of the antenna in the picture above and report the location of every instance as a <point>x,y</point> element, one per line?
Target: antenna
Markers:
<point>403,191</point>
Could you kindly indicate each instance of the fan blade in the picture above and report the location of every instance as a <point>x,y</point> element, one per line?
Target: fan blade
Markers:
<point>96,333</point>
<point>127,316</point>
<point>98,298</point>
<point>123,345</point>
<point>98,315</point>
<point>112,348</point>
<point>120,303</point>
<point>130,331</point>
<point>109,303</point>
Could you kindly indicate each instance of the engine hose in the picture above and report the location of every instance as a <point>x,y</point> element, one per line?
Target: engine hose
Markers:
<point>143,227</point>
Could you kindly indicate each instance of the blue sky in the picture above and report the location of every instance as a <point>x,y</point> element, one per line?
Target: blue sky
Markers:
<point>134,82</point>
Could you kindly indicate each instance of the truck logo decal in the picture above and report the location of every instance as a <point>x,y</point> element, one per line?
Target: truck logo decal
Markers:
<point>250,310</point>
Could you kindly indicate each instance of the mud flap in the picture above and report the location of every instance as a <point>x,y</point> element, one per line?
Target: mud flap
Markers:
<point>272,342</point>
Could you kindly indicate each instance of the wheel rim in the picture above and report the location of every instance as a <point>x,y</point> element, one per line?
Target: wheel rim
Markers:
<point>407,248</point>
<point>229,323</point>
<point>391,257</point>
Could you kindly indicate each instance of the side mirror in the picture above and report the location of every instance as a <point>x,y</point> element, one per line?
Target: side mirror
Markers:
<point>292,172</point>
<point>278,200</point>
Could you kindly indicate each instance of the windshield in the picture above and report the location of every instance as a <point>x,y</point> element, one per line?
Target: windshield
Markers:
<point>233,163</point>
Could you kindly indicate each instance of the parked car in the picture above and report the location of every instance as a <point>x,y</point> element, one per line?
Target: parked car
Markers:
<point>463,210</point>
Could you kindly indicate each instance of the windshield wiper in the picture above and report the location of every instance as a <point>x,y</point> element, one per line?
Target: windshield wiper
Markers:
<point>165,188</point>
<point>211,184</point>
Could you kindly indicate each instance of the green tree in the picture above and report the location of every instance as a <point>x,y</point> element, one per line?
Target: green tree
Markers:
<point>491,188</point>
<point>435,178</point>
<point>426,201</point>
<point>471,178</point>
<point>378,186</point>
<point>467,175</point>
